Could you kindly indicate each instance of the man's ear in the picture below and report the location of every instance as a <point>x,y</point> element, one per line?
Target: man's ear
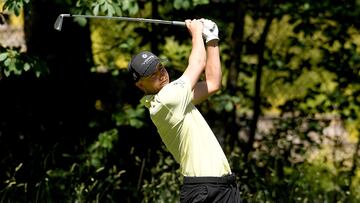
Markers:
<point>140,85</point>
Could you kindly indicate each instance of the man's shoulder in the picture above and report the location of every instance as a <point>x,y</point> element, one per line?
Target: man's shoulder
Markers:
<point>174,91</point>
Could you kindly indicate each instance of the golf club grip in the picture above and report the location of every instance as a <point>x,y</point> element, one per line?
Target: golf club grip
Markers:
<point>179,23</point>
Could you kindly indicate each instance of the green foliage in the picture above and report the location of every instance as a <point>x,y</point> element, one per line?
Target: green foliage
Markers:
<point>175,53</point>
<point>112,52</point>
<point>12,185</point>
<point>12,61</point>
<point>164,184</point>
<point>106,7</point>
<point>14,5</point>
<point>225,103</point>
<point>92,178</point>
<point>100,149</point>
<point>187,4</point>
<point>297,164</point>
<point>130,116</point>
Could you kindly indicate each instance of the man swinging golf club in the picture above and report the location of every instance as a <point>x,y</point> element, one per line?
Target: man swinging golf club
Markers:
<point>184,131</point>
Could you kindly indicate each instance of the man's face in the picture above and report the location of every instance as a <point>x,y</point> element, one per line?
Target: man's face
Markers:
<point>153,83</point>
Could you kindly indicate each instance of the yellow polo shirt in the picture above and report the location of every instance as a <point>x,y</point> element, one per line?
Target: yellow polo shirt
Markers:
<point>185,132</point>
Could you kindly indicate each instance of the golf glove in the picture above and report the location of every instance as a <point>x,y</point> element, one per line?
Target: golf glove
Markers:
<point>210,31</point>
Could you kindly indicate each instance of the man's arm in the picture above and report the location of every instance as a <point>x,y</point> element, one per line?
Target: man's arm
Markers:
<point>198,54</point>
<point>213,74</point>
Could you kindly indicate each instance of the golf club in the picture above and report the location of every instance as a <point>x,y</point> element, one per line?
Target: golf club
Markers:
<point>60,19</point>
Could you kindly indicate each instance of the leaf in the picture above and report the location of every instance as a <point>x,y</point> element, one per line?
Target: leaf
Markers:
<point>6,5</point>
<point>7,62</point>
<point>6,72</point>
<point>200,2</point>
<point>229,106</point>
<point>18,167</point>
<point>27,66</point>
<point>125,5</point>
<point>12,67</point>
<point>178,4</point>
<point>134,9</point>
<point>103,7</point>
<point>110,10</point>
<point>78,4</point>
<point>81,20</point>
<point>3,56</point>
<point>16,10</point>
<point>117,8</point>
<point>101,2</point>
<point>96,9</point>
<point>100,169</point>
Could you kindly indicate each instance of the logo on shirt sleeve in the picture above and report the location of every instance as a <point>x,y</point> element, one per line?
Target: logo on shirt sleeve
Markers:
<point>179,82</point>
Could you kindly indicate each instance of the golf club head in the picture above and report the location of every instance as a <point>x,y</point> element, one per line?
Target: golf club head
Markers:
<point>59,21</point>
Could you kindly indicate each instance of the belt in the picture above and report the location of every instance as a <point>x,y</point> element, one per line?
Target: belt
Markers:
<point>227,179</point>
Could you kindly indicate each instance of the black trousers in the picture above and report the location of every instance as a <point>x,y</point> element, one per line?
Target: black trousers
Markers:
<point>210,190</point>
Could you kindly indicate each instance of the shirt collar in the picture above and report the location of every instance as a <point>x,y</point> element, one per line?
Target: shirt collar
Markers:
<point>146,100</point>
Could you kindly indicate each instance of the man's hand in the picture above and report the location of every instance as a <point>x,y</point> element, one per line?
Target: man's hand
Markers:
<point>195,27</point>
<point>210,31</point>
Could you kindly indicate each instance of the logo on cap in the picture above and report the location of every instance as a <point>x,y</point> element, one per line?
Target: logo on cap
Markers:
<point>144,56</point>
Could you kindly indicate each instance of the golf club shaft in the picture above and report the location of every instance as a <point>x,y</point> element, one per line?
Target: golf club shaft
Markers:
<point>59,21</point>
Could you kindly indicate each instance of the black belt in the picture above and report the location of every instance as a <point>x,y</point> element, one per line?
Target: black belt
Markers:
<point>227,179</point>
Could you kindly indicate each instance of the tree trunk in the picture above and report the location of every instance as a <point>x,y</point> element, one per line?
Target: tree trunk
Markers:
<point>257,96</point>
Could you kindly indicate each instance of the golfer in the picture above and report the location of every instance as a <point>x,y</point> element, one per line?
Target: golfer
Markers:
<point>184,131</point>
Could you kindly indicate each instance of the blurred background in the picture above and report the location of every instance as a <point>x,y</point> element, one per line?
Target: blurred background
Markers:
<point>287,117</point>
